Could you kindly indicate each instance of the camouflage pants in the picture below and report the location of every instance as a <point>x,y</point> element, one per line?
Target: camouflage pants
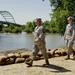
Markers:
<point>36,49</point>
<point>69,46</point>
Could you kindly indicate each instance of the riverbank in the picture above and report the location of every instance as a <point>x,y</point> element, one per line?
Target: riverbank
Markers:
<point>15,51</point>
<point>58,66</point>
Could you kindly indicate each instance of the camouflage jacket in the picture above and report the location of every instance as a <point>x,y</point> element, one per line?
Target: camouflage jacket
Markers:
<point>70,32</point>
<point>39,35</point>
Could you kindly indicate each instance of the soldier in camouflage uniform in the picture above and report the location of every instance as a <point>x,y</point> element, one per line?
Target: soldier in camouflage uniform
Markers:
<point>69,36</point>
<point>39,42</point>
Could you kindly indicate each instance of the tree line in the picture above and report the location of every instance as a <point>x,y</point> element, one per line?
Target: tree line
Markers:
<point>28,27</point>
<point>61,10</point>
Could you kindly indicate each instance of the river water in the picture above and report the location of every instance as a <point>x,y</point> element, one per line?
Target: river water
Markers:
<point>18,41</point>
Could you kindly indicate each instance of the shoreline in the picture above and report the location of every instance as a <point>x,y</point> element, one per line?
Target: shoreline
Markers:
<point>15,51</point>
<point>58,64</point>
<point>23,50</point>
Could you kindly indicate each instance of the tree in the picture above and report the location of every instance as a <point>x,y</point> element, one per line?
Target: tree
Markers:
<point>17,30</point>
<point>53,27</point>
<point>5,30</point>
<point>29,27</point>
<point>46,24</point>
<point>61,10</point>
<point>12,29</point>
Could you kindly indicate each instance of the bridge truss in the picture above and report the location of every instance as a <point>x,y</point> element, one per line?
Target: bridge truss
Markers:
<point>7,16</point>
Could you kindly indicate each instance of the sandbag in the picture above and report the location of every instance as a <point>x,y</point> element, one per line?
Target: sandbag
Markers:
<point>3,63</point>
<point>10,61</point>
<point>11,55</point>
<point>18,55</point>
<point>49,54</point>
<point>58,53</point>
<point>39,54</point>
<point>63,52</point>
<point>27,60</point>
<point>19,60</point>
<point>3,58</point>
<point>25,55</point>
<point>52,52</point>
<point>41,57</point>
<point>37,58</point>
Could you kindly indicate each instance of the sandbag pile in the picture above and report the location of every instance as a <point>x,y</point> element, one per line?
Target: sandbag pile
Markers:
<point>60,52</point>
<point>12,58</point>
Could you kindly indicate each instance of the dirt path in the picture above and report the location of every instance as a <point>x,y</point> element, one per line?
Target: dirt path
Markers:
<point>58,66</point>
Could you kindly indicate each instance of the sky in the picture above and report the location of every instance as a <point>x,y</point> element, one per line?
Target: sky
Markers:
<point>26,10</point>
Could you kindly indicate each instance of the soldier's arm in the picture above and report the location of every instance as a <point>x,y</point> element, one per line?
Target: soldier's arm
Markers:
<point>65,34</point>
<point>73,34</point>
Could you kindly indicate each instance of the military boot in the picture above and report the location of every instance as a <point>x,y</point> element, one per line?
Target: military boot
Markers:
<point>29,63</point>
<point>73,53</point>
<point>47,62</point>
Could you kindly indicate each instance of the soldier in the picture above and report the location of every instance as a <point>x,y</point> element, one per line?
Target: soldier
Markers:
<point>69,36</point>
<point>39,43</point>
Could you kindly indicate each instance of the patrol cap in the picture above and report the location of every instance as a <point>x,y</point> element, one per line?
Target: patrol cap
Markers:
<point>70,17</point>
<point>37,19</point>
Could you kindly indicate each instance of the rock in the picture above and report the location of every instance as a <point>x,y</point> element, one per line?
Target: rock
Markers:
<point>10,61</point>
<point>19,60</point>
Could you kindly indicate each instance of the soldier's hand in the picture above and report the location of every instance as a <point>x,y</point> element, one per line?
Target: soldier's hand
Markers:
<point>64,38</point>
<point>35,42</point>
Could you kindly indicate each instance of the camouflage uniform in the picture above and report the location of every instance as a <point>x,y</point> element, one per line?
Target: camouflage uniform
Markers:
<point>39,36</point>
<point>39,43</point>
<point>70,35</point>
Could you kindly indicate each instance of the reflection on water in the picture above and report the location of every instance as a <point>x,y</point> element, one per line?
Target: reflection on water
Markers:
<point>17,41</point>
